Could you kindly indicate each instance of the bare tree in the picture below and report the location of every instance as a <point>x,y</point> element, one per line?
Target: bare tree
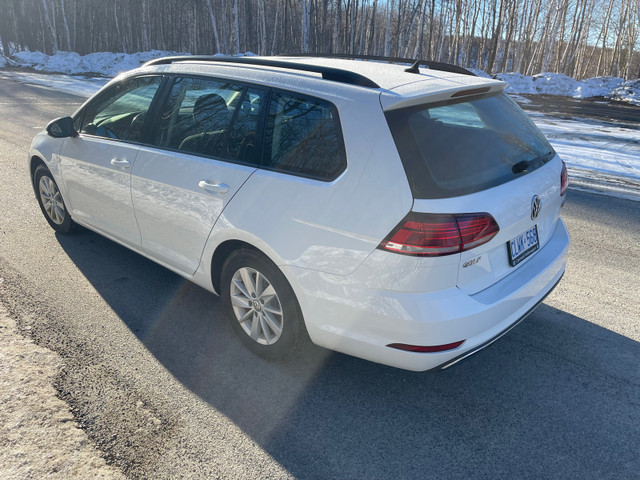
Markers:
<point>576,37</point>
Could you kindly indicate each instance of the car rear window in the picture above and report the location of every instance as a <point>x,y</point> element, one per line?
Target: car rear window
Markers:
<point>457,148</point>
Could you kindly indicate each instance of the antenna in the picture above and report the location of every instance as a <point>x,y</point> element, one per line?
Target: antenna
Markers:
<point>415,68</point>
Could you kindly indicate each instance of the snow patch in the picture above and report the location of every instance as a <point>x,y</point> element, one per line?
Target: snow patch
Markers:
<point>107,64</point>
<point>598,156</point>
<point>541,84</point>
<point>613,88</point>
<point>518,83</point>
<point>596,87</point>
<point>39,436</point>
<point>554,84</point>
<point>75,85</point>
<point>628,91</point>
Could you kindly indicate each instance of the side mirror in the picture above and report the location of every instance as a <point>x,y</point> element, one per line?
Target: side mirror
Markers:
<point>61,128</point>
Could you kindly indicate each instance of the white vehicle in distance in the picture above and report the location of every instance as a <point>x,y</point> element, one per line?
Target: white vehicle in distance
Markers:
<point>408,216</point>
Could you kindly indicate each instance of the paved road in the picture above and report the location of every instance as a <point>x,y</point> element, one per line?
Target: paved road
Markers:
<point>158,380</point>
<point>617,113</point>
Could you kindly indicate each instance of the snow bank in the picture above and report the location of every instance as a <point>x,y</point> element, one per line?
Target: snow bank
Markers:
<point>614,88</point>
<point>628,91</point>
<point>559,84</point>
<point>111,64</point>
<point>107,64</point>
<point>39,436</point>
<point>596,87</point>
<point>104,63</point>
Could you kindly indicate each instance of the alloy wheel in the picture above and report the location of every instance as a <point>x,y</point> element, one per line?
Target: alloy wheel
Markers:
<point>256,306</point>
<point>51,200</point>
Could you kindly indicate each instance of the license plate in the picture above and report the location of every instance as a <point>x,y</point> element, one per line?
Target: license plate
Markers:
<point>523,245</point>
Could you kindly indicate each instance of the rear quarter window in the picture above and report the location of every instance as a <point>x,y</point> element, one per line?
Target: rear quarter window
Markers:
<point>303,137</point>
<point>462,147</point>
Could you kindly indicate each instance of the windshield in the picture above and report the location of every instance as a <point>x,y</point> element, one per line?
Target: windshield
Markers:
<point>456,148</point>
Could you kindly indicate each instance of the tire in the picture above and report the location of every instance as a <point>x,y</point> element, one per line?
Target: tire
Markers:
<point>51,201</point>
<point>261,306</point>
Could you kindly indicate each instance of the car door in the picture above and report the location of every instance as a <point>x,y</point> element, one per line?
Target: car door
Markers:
<point>96,164</point>
<point>204,149</point>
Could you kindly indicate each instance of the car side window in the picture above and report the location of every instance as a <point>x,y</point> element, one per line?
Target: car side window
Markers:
<point>303,137</point>
<point>242,140</point>
<point>120,112</point>
<point>211,117</point>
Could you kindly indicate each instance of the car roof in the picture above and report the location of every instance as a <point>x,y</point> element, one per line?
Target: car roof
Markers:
<point>396,86</point>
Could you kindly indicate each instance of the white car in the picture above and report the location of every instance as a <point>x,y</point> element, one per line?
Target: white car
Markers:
<point>408,216</point>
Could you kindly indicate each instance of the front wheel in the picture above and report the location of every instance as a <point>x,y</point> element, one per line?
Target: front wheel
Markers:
<point>51,201</point>
<point>261,305</point>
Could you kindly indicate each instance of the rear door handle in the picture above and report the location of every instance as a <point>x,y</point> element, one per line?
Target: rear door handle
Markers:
<point>220,188</point>
<point>120,162</point>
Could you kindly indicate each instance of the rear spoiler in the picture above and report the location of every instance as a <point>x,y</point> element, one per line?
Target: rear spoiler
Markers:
<point>437,90</point>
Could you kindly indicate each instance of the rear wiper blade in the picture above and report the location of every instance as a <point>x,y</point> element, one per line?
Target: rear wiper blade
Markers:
<point>525,164</point>
<point>521,166</point>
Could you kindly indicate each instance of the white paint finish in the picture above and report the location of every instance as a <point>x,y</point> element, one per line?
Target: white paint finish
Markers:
<point>392,272</point>
<point>175,214</point>
<point>46,148</point>
<point>510,206</point>
<point>323,235</point>
<point>435,89</point>
<point>99,192</point>
<point>342,313</point>
<point>328,226</point>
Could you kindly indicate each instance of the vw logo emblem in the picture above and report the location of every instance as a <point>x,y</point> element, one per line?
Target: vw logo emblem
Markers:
<point>535,207</point>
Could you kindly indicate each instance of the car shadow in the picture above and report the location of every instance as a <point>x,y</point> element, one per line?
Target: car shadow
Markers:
<point>556,397</point>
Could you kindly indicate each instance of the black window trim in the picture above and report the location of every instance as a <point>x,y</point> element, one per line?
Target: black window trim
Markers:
<point>161,97</point>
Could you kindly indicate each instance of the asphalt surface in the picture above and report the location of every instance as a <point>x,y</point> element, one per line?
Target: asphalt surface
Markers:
<point>595,109</point>
<point>156,377</point>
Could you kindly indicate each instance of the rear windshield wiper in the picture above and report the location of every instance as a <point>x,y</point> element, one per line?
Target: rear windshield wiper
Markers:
<point>521,166</point>
<point>525,164</point>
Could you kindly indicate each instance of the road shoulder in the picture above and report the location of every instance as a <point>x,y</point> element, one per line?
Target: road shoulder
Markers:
<point>39,437</point>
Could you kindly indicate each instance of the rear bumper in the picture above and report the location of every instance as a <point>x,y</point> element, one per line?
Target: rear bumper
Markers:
<point>342,314</point>
<point>501,334</point>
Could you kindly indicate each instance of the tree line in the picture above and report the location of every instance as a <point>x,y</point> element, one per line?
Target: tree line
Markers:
<point>580,38</point>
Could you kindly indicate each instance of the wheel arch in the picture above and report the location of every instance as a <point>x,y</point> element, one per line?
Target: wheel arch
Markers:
<point>221,254</point>
<point>298,336</point>
<point>34,162</point>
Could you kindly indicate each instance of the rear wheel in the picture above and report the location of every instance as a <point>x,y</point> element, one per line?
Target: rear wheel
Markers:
<point>51,201</point>
<point>261,305</point>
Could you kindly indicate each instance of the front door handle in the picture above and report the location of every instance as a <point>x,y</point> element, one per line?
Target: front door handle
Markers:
<point>120,162</point>
<point>220,188</point>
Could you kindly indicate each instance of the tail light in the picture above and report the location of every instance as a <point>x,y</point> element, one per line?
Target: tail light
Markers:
<point>564,180</point>
<point>432,235</point>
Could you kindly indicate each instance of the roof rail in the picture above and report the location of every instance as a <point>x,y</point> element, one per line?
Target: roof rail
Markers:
<point>328,73</point>
<point>445,67</point>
